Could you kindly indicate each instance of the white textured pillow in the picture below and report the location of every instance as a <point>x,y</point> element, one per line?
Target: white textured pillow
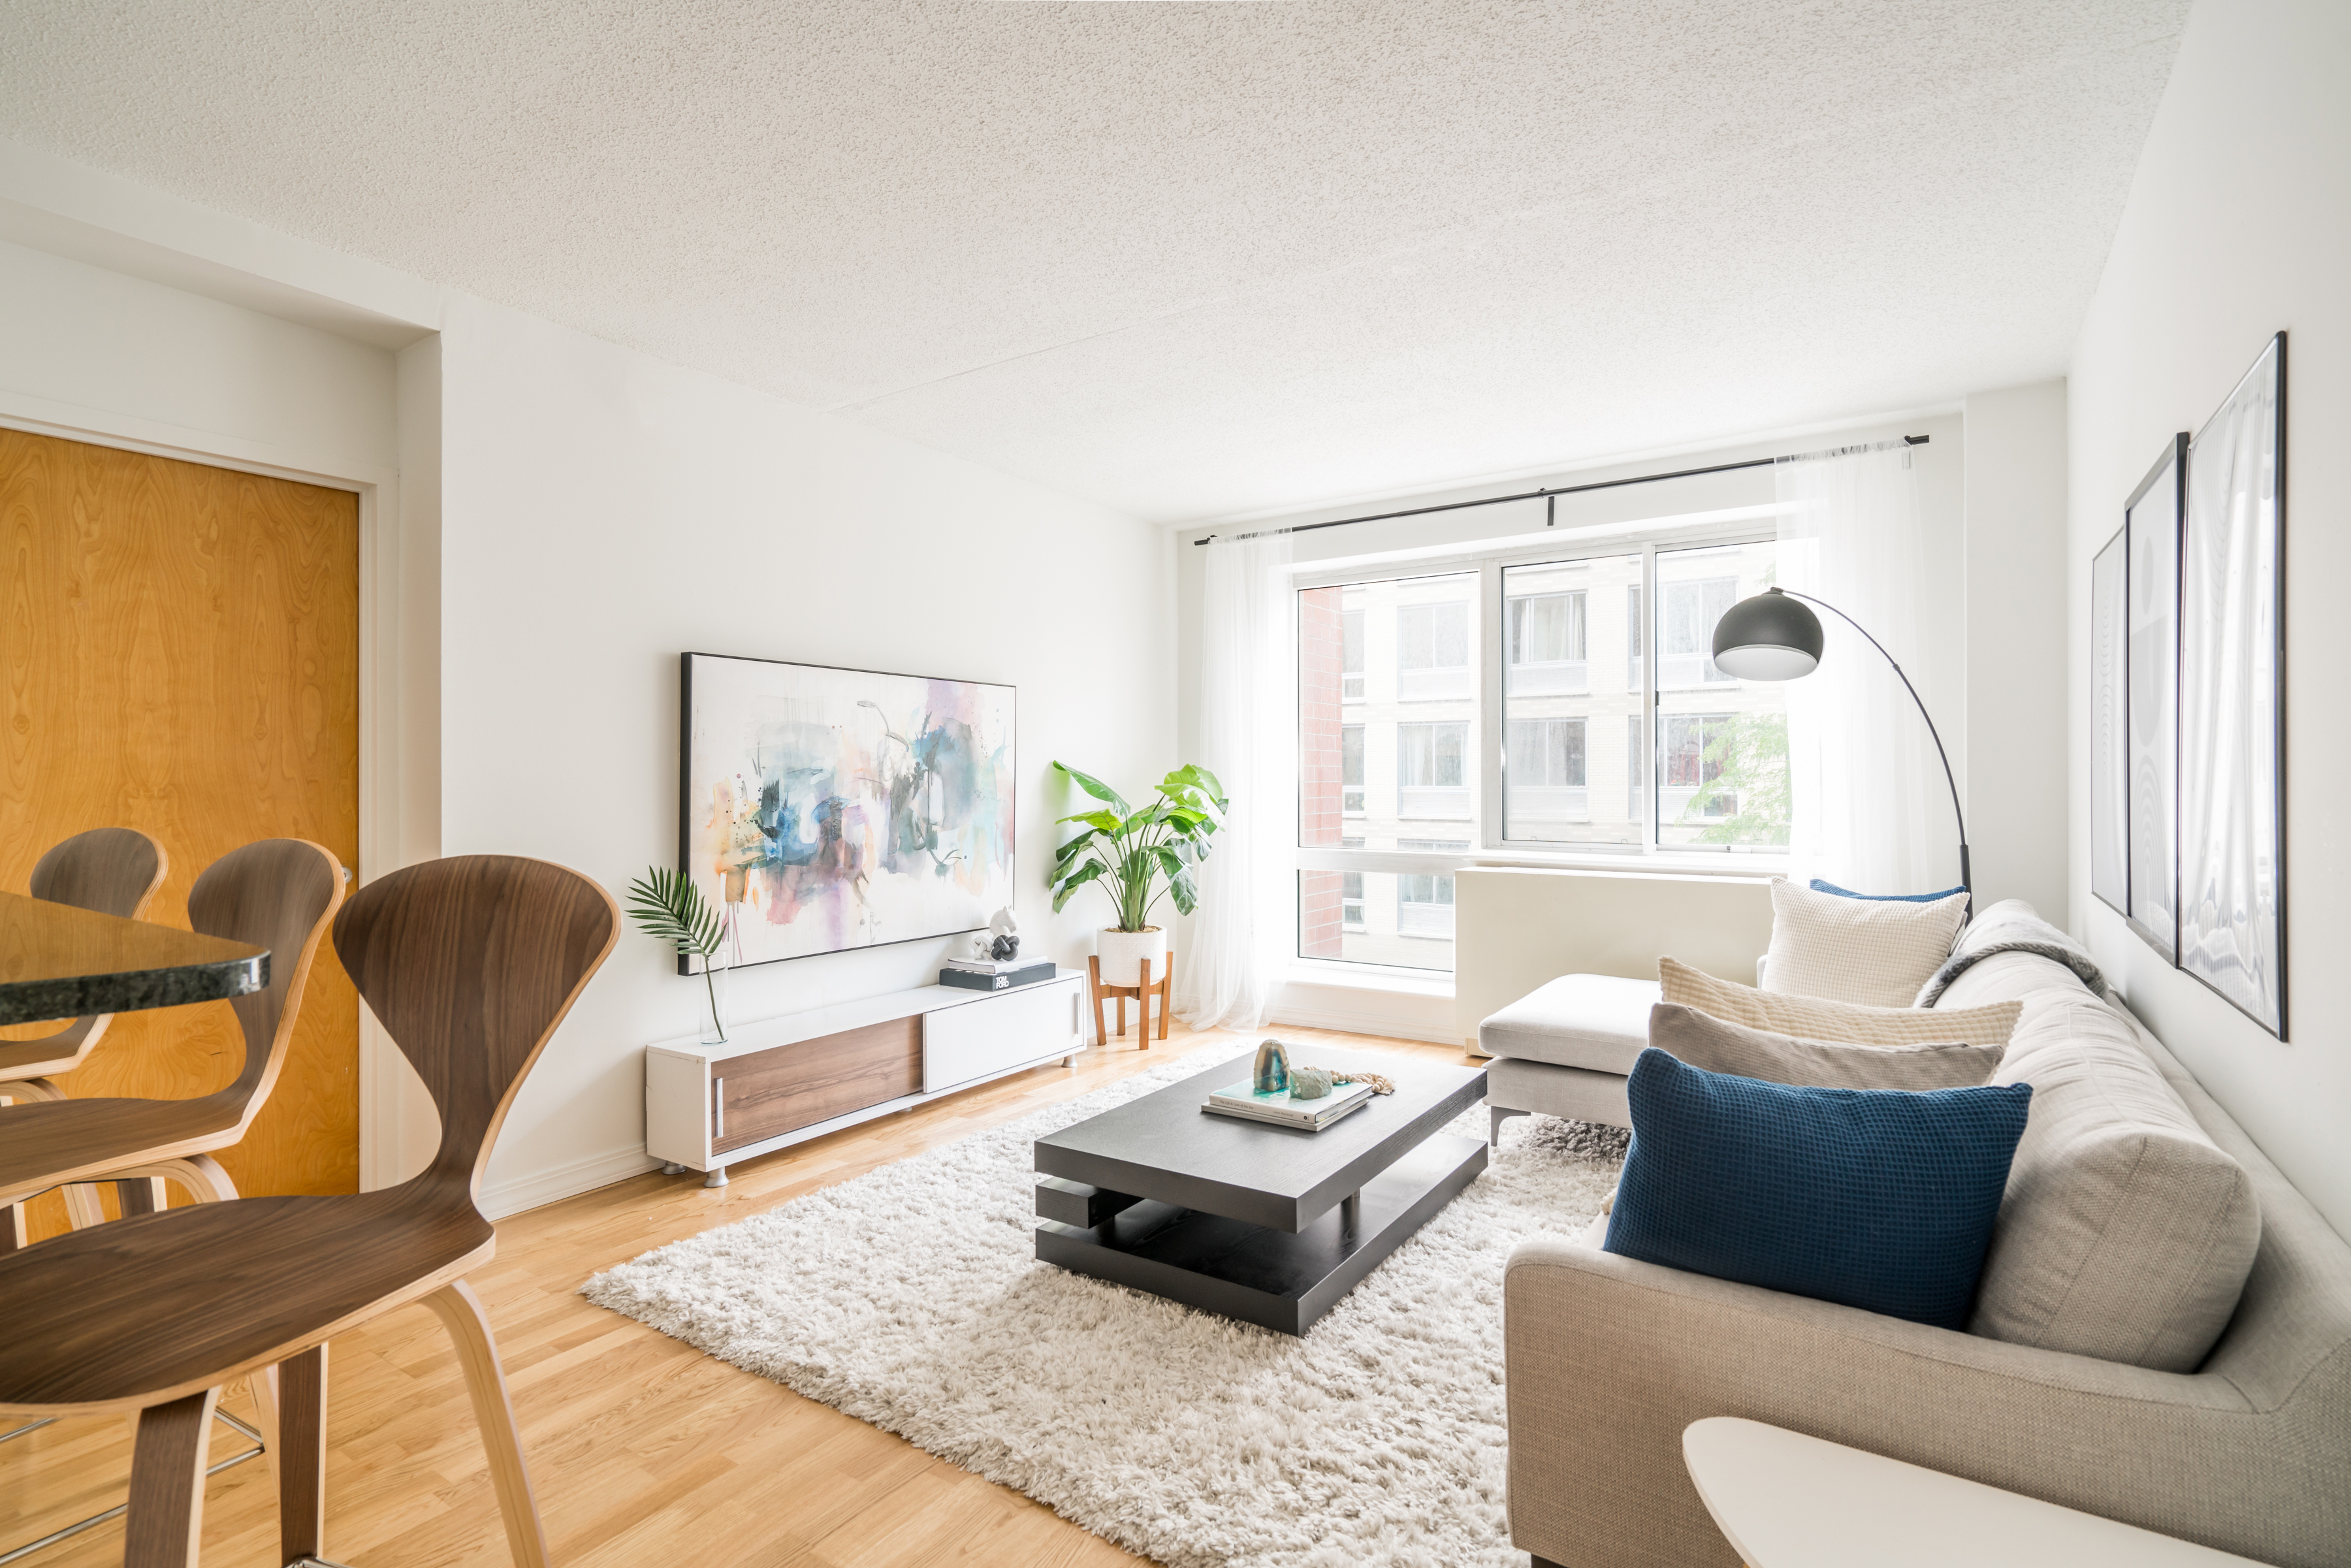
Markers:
<point>2127,1233</point>
<point>1875,951</point>
<point>1811,1017</point>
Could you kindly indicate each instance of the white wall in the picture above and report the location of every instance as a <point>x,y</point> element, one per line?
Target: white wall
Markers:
<point>84,347</point>
<point>2237,224</point>
<point>601,511</point>
<point>558,518</point>
<point>2015,732</point>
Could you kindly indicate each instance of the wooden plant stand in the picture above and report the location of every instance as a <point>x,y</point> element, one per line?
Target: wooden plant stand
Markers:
<point>1141,994</point>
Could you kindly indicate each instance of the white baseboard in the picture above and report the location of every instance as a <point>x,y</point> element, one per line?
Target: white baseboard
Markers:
<point>1349,1021</point>
<point>500,1200</point>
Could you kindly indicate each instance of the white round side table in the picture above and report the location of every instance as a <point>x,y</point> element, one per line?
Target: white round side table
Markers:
<point>1786,1500</point>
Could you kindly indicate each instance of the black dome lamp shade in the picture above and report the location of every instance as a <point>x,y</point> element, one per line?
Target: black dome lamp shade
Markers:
<point>1773,637</point>
<point>1770,637</point>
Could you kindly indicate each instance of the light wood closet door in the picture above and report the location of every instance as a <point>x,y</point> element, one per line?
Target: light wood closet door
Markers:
<point>179,653</point>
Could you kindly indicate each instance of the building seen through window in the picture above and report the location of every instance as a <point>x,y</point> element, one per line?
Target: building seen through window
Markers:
<point>1618,731</point>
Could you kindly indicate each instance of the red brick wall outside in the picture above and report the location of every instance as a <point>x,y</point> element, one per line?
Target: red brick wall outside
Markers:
<point>1319,657</point>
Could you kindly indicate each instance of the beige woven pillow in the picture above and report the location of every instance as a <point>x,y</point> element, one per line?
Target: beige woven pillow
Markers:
<point>1877,952</point>
<point>2127,1233</point>
<point>1717,1045</point>
<point>1809,1018</point>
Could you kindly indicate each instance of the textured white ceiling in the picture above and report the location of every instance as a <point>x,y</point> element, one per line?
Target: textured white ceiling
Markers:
<point>1189,259</point>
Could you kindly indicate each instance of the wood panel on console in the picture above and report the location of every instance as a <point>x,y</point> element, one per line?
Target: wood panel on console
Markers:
<point>811,1081</point>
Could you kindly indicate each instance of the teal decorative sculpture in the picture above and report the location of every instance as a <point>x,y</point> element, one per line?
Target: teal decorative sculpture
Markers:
<point>1272,1074</point>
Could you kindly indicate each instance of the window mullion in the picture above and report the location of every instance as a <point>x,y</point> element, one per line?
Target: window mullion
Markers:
<point>1493,634</point>
<point>1652,643</point>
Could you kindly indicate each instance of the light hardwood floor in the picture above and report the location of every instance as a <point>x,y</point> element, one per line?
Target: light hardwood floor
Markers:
<point>643,1451</point>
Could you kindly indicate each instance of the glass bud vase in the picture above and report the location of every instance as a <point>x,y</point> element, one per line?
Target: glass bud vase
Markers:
<point>712,999</point>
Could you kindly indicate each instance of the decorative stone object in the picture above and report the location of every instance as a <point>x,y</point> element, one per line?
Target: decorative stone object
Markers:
<point>1309,1083</point>
<point>1001,940</point>
<point>1272,1074</point>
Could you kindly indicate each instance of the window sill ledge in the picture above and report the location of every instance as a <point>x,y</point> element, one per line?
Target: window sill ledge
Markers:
<point>1633,864</point>
<point>1370,977</point>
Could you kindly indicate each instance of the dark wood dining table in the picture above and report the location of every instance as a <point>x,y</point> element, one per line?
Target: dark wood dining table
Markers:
<point>60,962</point>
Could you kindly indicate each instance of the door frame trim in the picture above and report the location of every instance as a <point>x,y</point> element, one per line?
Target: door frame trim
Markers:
<point>386,609</point>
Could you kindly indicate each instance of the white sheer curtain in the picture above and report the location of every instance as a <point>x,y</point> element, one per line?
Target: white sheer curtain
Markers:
<point>1872,811</point>
<point>1242,936</point>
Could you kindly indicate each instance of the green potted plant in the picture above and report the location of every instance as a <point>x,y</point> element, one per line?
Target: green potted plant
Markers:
<point>1130,851</point>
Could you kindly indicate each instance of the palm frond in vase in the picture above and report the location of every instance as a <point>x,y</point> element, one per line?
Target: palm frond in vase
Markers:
<point>667,907</point>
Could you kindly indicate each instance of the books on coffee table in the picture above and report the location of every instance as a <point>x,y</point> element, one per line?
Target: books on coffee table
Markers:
<point>1279,1107</point>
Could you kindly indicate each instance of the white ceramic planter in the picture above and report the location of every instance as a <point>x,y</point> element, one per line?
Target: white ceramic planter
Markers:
<point>1125,955</point>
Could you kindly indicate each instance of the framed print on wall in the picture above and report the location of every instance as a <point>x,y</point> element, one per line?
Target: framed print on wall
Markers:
<point>2151,578</point>
<point>2109,753</point>
<point>829,809</point>
<point>2232,699</point>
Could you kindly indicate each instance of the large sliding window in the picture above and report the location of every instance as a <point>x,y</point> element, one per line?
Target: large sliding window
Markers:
<point>1722,779</point>
<point>1389,715</point>
<point>1563,718</point>
<point>1612,729</point>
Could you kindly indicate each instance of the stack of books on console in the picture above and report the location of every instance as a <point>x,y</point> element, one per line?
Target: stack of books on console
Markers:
<point>1278,1107</point>
<point>995,975</point>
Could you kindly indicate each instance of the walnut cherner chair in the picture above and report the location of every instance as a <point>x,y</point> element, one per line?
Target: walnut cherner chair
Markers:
<point>114,871</point>
<point>469,964</point>
<point>277,894</point>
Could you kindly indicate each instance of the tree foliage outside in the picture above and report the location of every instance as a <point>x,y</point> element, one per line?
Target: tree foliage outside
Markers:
<point>1749,762</point>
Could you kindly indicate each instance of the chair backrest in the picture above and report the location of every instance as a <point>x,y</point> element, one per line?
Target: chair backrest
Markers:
<point>114,871</point>
<point>277,894</point>
<point>469,964</point>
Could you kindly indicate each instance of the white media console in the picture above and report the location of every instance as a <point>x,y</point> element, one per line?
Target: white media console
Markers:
<point>785,1079</point>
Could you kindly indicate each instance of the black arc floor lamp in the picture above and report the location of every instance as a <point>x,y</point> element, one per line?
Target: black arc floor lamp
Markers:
<point>1772,637</point>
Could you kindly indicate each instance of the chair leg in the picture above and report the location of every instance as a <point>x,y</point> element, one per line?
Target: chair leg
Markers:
<point>26,1092</point>
<point>167,1483</point>
<point>82,1208</point>
<point>140,1195</point>
<point>200,1175</point>
<point>298,1444</point>
<point>263,1386</point>
<point>461,1313</point>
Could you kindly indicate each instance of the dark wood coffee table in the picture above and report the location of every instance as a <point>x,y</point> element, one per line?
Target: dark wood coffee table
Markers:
<point>1258,1222</point>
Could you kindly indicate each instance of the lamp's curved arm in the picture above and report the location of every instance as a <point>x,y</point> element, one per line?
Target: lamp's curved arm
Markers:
<point>1967,879</point>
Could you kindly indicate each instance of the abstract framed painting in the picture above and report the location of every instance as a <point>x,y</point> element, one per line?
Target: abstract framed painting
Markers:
<point>2232,699</point>
<point>2151,635</point>
<point>832,808</point>
<point>2109,752</point>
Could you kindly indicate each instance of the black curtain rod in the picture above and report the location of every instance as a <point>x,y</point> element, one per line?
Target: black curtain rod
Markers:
<point>1561,490</point>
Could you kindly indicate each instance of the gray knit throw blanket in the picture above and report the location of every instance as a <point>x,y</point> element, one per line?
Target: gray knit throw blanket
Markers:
<point>2011,926</point>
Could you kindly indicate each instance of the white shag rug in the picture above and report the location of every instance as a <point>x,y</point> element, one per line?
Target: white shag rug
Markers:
<point>911,1298</point>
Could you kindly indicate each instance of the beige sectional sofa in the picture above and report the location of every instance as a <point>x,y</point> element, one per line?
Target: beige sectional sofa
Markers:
<point>1609,1359</point>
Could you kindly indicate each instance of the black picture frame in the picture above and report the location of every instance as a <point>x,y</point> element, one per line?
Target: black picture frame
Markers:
<point>2109,721</point>
<point>686,801</point>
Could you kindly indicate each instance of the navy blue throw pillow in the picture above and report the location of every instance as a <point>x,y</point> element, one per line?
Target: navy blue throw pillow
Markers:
<point>1820,887</point>
<point>1878,1199</point>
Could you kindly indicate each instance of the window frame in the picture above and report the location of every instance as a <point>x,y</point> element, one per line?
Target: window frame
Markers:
<point>1490,658</point>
